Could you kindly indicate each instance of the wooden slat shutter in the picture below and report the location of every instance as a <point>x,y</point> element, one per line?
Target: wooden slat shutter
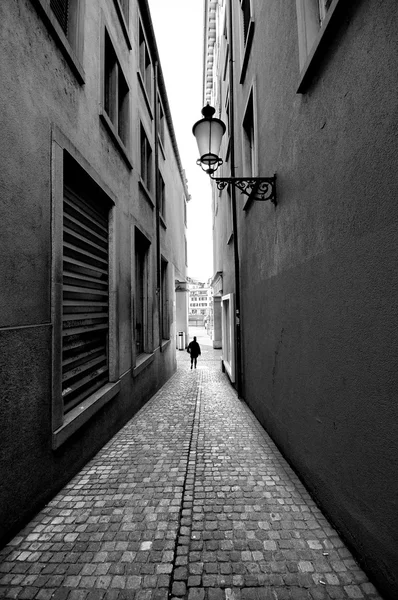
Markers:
<point>85,309</point>
<point>60,10</point>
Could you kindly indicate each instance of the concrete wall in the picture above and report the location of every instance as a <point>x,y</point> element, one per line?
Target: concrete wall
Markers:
<point>318,273</point>
<point>40,94</point>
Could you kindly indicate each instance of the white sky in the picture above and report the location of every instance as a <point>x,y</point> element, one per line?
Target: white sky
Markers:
<point>178,26</point>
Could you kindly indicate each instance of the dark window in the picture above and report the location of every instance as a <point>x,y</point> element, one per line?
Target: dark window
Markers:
<point>246,14</point>
<point>146,159</point>
<point>162,196</point>
<point>116,92</point>
<point>85,304</point>
<point>165,301</point>
<point>141,280</point>
<point>248,138</point>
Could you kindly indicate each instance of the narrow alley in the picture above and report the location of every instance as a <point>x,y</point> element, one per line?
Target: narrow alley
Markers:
<point>191,499</point>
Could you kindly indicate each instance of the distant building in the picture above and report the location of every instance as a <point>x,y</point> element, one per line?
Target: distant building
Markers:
<point>93,237</point>
<point>200,302</point>
<point>308,90</point>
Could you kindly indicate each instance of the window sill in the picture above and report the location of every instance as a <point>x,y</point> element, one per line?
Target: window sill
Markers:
<point>116,138</point>
<point>317,50</point>
<point>162,221</point>
<point>123,23</point>
<point>147,193</point>
<point>143,361</point>
<point>82,413</point>
<point>165,343</point>
<point>44,10</point>
<point>246,55</point>
<point>145,93</point>
<point>230,238</point>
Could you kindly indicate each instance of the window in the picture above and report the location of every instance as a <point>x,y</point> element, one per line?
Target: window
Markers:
<point>161,122</point>
<point>123,11</point>
<point>146,160</point>
<point>116,93</point>
<point>184,200</point>
<point>64,20</point>
<point>249,149</point>
<point>142,245</point>
<point>246,17</point>
<point>323,8</point>
<point>247,34</point>
<point>165,301</point>
<point>313,17</point>
<point>228,334</point>
<point>145,64</point>
<point>85,290</point>
<point>162,196</point>
<point>60,9</point>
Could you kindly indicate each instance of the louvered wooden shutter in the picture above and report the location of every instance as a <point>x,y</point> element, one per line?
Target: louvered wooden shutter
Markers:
<point>60,10</point>
<point>85,310</point>
<point>246,17</point>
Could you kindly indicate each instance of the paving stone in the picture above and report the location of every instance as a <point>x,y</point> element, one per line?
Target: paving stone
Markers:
<point>192,496</point>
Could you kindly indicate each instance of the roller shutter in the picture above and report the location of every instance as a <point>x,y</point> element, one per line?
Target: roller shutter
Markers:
<point>60,10</point>
<point>85,308</point>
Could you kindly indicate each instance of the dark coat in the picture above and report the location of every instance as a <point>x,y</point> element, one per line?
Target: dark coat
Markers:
<point>194,349</point>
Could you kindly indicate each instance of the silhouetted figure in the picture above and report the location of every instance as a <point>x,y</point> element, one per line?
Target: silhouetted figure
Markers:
<point>194,350</point>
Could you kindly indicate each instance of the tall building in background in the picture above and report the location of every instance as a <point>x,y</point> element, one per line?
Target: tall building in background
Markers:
<point>307,90</point>
<point>93,237</point>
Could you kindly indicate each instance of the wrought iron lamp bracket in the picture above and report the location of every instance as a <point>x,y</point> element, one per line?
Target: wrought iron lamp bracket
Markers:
<point>257,188</point>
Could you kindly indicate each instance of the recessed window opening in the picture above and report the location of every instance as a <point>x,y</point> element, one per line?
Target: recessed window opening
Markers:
<point>146,159</point>
<point>145,63</point>
<point>116,92</point>
<point>85,287</point>
<point>142,245</point>
<point>248,139</point>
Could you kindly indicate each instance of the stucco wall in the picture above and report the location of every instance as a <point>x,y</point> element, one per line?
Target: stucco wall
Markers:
<point>40,92</point>
<point>318,273</point>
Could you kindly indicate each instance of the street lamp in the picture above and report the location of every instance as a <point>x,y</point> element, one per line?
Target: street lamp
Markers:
<point>208,133</point>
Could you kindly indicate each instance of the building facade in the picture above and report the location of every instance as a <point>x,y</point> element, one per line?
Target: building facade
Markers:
<point>200,302</point>
<point>92,237</point>
<point>307,90</point>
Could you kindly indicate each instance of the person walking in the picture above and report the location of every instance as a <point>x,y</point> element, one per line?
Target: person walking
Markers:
<point>194,350</point>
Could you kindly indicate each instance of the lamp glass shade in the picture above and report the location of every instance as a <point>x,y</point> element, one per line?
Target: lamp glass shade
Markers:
<point>208,133</point>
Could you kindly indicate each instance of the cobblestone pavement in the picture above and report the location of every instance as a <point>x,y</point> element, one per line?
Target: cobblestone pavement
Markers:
<point>190,500</point>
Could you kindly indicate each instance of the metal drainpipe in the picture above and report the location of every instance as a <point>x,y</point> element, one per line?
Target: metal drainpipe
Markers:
<point>233,198</point>
<point>157,203</point>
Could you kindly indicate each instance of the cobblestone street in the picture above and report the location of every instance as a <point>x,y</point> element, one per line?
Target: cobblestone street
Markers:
<point>190,500</point>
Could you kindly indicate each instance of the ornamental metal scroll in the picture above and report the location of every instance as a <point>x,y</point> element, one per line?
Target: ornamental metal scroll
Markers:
<point>257,188</point>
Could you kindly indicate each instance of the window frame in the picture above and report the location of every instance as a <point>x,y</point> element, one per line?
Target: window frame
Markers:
<point>123,145</point>
<point>313,35</point>
<point>65,425</point>
<point>145,71</point>
<point>228,334</point>
<point>72,49</point>
<point>247,34</point>
<point>124,19</point>
<point>147,158</point>
<point>165,294</point>
<point>140,356</point>
<point>162,198</point>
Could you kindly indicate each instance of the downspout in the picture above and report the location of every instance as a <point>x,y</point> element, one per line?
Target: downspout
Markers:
<point>233,198</point>
<point>157,206</point>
